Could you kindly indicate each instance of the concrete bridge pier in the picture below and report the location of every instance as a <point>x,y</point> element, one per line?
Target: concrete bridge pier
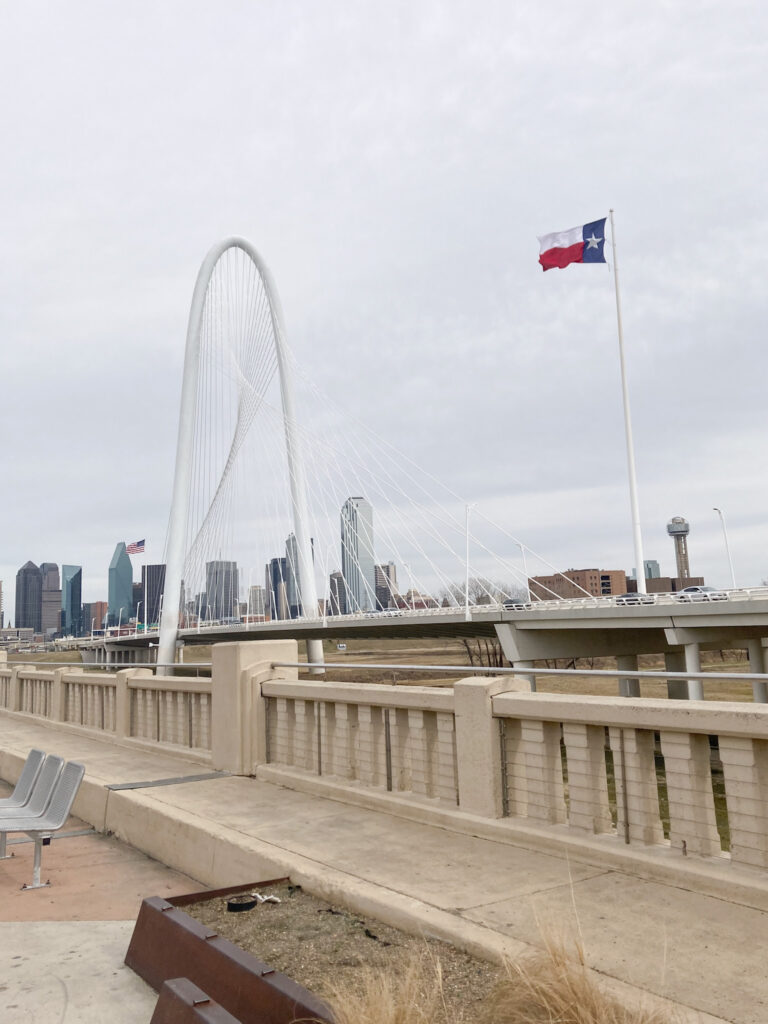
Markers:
<point>522,665</point>
<point>692,657</point>
<point>758,662</point>
<point>677,689</point>
<point>628,687</point>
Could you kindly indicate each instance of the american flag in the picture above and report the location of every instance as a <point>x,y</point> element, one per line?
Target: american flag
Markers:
<point>136,548</point>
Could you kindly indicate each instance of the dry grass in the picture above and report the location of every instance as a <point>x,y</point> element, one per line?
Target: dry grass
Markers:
<point>383,997</point>
<point>552,986</point>
<point>549,987</point>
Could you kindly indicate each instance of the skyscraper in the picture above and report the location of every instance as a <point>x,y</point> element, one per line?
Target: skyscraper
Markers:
<point>152,587</point>
<point>97,616</point>
<point>29,597</point>
<point>120,598</point>
<point>357,562</point>
<point>293,583</point>
<point>71,600</point>
<point>222,590</point>
<point>337,595</point>
<point>277,590</point>
<point>51,599</point>
<point>257,601</point>
<point>292,577</point>
<point>386,585</point>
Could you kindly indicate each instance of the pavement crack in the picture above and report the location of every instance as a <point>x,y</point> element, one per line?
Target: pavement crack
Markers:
<point>536,892</point>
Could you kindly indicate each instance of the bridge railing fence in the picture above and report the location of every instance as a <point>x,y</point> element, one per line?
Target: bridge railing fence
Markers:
<point>132,705</point>
<point>397,739</point>
<point>662,777</point>
<point>691,778</point>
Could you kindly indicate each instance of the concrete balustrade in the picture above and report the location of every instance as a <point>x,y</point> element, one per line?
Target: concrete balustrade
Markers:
<point>639,775</point>
<point>393,738</point>
<point>132,706</point>
<point>693,741</point>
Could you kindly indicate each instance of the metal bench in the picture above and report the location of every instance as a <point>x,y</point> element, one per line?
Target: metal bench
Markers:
<point>41,827</point>
<point>23,789</point>
<point>40,796</point>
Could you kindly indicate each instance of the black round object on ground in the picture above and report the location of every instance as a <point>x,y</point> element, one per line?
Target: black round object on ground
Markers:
<point>245,901</point>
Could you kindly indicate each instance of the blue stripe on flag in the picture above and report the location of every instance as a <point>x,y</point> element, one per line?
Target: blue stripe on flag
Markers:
<point>596,231</point>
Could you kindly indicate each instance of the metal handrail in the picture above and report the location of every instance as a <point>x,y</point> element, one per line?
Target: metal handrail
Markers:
<point>629,673</point>
<point>52,665</point>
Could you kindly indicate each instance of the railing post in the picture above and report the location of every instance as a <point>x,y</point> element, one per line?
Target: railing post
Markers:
<point>57,696</point>
<point>14,695</point>
<point>238,710</point>
<point>478,753</point>
<point>123,699</point>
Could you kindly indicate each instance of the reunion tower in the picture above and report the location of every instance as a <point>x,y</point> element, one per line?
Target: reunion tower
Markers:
<point>678,529</point>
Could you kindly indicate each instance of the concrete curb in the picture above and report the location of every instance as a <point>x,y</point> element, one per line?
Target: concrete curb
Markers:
<point>229,856</point>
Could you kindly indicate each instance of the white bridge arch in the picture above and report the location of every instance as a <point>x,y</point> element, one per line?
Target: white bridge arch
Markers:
<point>177,530</point>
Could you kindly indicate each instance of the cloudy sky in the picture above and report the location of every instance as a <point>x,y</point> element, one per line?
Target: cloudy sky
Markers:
<point>394,164</point>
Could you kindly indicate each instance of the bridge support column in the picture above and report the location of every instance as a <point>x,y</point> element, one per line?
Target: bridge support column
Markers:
<point>693,664</point>
<point>531,678</point>
<point>758,662</point>
<point>315,654</point>
<point>677,689</point>
<point>628,687</point>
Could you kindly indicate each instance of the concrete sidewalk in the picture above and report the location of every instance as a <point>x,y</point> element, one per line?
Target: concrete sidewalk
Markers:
<point>491,896</point>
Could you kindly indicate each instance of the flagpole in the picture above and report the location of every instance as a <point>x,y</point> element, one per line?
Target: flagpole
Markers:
<point>640,565</point>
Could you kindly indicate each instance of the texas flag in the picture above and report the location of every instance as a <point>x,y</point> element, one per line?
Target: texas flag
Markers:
<point>578,245</point>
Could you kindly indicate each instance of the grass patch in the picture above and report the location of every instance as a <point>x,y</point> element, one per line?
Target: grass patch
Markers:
<point>548,987</point>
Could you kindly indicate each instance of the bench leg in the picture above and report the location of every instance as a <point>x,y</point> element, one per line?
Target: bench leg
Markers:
<point>3,854</point>
<point>36,883</point>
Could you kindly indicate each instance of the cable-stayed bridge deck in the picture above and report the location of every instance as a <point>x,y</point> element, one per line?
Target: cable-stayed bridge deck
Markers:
<point>546,629</point>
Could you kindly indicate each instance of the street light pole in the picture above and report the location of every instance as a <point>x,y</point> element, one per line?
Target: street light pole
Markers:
<point>467,616</point>
<point>727,545</point>
<point>525,572</point>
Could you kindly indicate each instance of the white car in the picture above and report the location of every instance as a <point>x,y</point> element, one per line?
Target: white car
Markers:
<point>701,594</point>
<point>636,599</point>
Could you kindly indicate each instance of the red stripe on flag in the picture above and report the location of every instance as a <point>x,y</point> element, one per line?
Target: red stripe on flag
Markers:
<point>562,257</point>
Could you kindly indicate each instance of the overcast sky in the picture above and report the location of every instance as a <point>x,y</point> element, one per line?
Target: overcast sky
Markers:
<point>394,164</point>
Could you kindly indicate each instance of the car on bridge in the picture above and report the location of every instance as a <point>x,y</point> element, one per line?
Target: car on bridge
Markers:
<point>701,594</point>
<point>517,604</point>
<point>623,599</point>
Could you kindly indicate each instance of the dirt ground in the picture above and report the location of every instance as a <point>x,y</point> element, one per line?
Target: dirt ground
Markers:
<point>318,944</point>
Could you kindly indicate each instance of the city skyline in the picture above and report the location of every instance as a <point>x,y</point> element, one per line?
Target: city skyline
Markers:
<point>228,587</point>
<point>404,245</point>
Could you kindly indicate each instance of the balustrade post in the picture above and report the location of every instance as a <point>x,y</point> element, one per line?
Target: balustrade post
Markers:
<point>745,770</point>
<point>123,699</point>
<point>57,696</point>
<point>478,751</point>
<point>637,794</point>
<point>689,788</point>
<point>588,806</point>
<point>14,695</point>
<point>422,729</point>
<point>238,710</point>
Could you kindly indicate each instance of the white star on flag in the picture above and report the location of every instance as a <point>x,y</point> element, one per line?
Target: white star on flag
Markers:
<point>592,243</point>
